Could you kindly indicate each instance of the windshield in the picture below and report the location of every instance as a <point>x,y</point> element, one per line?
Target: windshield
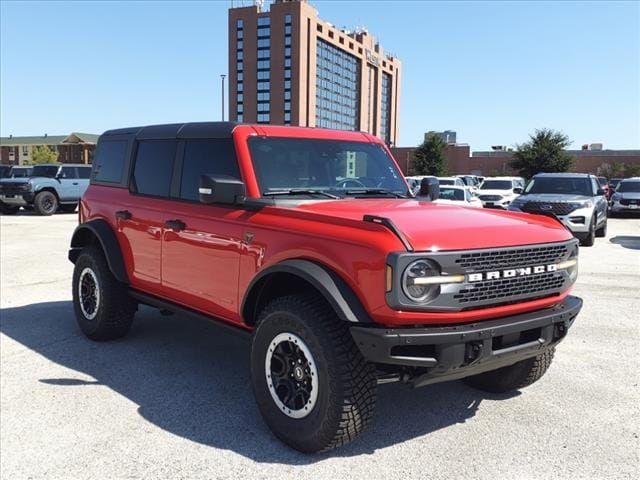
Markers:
<point>628,187</point>
<point>343,168</point>
<point>497,185</point>
<point>451,194</point>
<point>446,182</point>
<point>603,181</point>
<point>20,172</point>
<point>45,171</point>
<point>560,186</point>
<point>614,182</point>
<point>4,171</point>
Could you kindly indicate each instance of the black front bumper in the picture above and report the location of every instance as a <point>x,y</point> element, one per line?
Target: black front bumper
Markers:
<point>437,354</point>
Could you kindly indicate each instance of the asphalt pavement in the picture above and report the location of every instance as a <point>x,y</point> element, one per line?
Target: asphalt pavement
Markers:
<point>173,399</point>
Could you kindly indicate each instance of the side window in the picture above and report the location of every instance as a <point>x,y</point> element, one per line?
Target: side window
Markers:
<point>154,167</point>
<point>206,157</point>
<point>594,186</point>
<point>109,162</point>
<point>69,173</point>
<point>84,172</point>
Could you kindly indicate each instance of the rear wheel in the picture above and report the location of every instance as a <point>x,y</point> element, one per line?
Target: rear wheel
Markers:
<point>8,209</point>
<point>590,239</point>
<point>513,377</point>
<point>104,310</point>
<point>45,203</point>
<point>602,231</point>
<point>312,385</point>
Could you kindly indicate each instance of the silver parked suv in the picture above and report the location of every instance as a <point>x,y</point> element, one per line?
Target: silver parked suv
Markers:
<point>575,198</point>
<point>626,198</point>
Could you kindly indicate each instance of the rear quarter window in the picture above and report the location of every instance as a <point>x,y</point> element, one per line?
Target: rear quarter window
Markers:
<point>110,160</point>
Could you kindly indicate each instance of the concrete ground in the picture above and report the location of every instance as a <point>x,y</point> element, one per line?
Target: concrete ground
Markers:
<point>173,399</point>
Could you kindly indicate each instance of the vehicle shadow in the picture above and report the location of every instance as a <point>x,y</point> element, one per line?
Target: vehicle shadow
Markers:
<point>627,241</point>
<point>190,378</point>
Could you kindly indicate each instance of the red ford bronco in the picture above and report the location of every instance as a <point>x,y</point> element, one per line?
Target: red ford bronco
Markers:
<point>310,241</point>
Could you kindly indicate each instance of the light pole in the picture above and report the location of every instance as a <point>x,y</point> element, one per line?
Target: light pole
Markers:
<point>222,81</point>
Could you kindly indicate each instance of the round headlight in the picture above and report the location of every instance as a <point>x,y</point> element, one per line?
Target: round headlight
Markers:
<point>412,286</point>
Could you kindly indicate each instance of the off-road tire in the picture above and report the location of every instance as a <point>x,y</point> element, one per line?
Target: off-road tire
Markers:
<point>590,239</point>
<point>68,208</point>
<point>514,377</point>
<point>8,209</point>
<point>602,231</point>
<point>346,382</point>
<point>45,203</point>
<point>115,308</point>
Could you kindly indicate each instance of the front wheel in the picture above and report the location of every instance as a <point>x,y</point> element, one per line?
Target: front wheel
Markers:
<point>312,385</point>
<point>104,310</point>
<point>590,239</point>
<point>513,377</point>
<point>45,203</point>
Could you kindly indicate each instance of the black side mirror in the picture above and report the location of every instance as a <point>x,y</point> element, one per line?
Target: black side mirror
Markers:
<point>600,192</point>
<point>221,189</point>
<point>429,186</point>
<point>517,190</point>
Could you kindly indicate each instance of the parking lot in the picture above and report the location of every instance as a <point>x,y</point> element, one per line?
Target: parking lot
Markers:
<point>173,399</point>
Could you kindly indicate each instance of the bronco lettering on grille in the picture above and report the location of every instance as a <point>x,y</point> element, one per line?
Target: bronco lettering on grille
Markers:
<point>511,273</point>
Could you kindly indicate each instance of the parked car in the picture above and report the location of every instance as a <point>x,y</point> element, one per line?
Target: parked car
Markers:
<point>499,192</point>
<point>613,183</point>
<point>471,181</point>
<point>341,278</point>
<point>455,195</point>
<point>414,183</point>
<point>626,199</point>
<point>48,188</point>
<point>5,171</point>
<point>576,199</point>
<point>454,181</point>
<point>604,185</point>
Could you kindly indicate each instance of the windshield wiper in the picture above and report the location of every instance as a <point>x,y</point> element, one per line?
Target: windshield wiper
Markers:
<point>374,191</point>
<point>299,191</point>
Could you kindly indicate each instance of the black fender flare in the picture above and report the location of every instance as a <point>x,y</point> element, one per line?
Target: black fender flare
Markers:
<point>327,283</point>
<point>102,231</point>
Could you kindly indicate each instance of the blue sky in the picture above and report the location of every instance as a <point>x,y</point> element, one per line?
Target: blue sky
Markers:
<point>492,71</point>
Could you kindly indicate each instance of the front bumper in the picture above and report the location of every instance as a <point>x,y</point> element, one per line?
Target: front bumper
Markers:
<point>503,203</point>
<point>617,207</point>
<point>18,199</point>
<point>449,353</point>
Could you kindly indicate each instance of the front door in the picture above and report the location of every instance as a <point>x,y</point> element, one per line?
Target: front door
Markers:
<point>202,243</point>
<point>69,188</point>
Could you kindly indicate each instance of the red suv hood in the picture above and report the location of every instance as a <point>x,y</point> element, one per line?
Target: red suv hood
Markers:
<point>430,226</point>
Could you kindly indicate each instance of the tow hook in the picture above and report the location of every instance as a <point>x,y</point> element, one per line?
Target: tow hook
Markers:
<point>472,352</point>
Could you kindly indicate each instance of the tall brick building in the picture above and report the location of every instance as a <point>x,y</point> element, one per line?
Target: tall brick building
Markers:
<point>288,67</point>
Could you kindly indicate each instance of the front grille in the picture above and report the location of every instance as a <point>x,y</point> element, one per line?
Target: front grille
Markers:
<point>503,289</point>
<point>490,198</point>
<point>557,208</point>
<point>13,188</point>
<point>511,258</point>
<point>626,201</point>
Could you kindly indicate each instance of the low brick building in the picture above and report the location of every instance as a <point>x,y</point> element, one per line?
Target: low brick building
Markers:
<point>462,161</point>
<point>72,148</point>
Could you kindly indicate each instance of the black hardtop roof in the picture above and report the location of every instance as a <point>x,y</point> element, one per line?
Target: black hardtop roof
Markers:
<point>176,130</point>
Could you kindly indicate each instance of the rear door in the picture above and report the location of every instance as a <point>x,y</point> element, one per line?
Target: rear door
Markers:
<point>141,220</point>
<point>201,248</point>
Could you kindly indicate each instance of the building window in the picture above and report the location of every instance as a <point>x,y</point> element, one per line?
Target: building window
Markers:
<point>287,84</point>
<point>264,96</point>
<point>264,107</point>
<point>287,52</point>
<point>240,87</point>
<point>264,64</point>
<point>240,34</point>
<point>263,75</point>
<point>264,32</point>
<point>240,108</point>
<point>240,76</point>
<point>337,88</point>
<point>240,118</point>
<point>239,45</point>
<point>287,117</point>
<point>239,66</point>
<point>265,86</point>
<point>287,63</point>
<point>287,40</point>
<point>239,98</point>
<point>287,94</point>
<point>287,29</point>
<point>287,106</point>
<point>264,43</point>
<point>239,25</point>
<point>263,118</point>
<point>287,73</point>
<point>319,28</point>
<point>385,109</point>
<point>264,21</point>
<point>330,34</point>
<point>287,19</point>
<point>25,150</point>
<point>239,55</point>
<point>264,54</point>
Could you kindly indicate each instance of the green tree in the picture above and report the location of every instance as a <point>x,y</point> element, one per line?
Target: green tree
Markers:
<point>544,152</point>
<point>43,154</point>
<point>430,157</point>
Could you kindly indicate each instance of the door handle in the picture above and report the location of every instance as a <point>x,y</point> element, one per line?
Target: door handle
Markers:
<point>176,225</point>
<point>75,183</point>
<point>123,214</point>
